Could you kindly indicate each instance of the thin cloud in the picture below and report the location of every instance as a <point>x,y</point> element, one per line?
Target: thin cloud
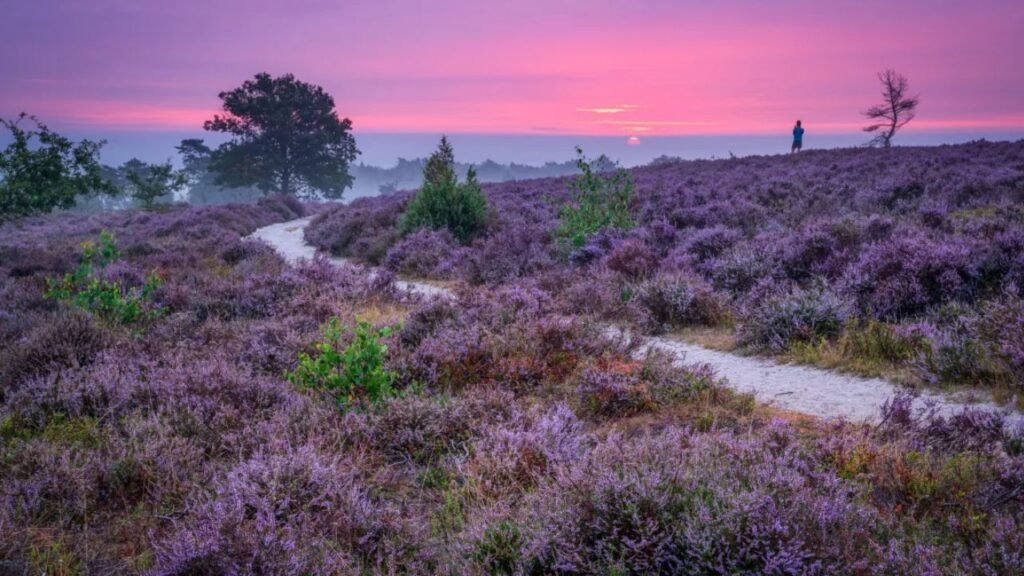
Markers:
<point>616,109</point>
<point>654,123</point>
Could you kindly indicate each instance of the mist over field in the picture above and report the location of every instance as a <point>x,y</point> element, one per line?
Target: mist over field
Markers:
<point>383,150</point>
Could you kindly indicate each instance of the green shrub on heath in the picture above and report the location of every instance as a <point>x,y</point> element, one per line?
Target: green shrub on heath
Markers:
<point>353,375</point>
<point>598,201</point>
<point>110,301</point>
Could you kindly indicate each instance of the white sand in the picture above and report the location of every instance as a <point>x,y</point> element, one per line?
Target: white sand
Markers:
<point>287,239</point>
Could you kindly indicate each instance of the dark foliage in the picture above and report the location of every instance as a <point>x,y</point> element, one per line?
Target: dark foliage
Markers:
<point>41,170</point>
<point>286,138</point>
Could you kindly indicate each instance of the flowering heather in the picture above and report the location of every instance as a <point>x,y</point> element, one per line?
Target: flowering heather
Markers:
<point>799,316</point>
<point>520,435</point>
<point>420,253</point>
<point>897,234</point>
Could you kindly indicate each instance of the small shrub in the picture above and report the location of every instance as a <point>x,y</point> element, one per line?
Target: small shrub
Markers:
<point>954,355</point>
<point>450,517</point>
<point>740,269</point>
<point>675,300</point>
<point>459,208</point>
<point>419,254</point>
<point>800,316</point>
<point>510,253</point>
<point>498,553</point>
<point>445,204</point>
<point>111,301</point>
<point>708,243</point>
<point>614,389</point>
<point>523,451</point>
<point>907,275</point>
<point>71,339</point>
<point>353,375</point>
<point>598,202</point>
<point>1001,327</point>
<point>633,260</point>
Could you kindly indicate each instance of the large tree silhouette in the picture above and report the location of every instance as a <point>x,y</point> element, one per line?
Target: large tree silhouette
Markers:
<point>287,138</point>
<point>896,110</point>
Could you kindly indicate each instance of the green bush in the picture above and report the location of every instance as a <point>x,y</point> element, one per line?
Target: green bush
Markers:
<point>111,302</point>
<point>598,201</point>
<point>353,375</point>
<point>500,549</point>
<point>444,203</point>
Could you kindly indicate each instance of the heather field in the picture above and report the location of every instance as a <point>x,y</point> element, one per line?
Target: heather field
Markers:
<point>905,263</point>
<point>178,400</point>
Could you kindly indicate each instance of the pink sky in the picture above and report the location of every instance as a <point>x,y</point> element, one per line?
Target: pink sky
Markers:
<point>640,67</point>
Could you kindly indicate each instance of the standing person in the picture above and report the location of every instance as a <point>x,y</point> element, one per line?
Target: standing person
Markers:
<point>798,137</point>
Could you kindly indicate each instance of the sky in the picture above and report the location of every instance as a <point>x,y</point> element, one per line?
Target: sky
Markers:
<point>644,69</point>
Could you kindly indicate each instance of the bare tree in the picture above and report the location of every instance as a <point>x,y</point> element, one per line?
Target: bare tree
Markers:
<point>897,110</point>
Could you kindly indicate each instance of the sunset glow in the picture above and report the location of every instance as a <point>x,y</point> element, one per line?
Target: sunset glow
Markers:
<point>533,68</point>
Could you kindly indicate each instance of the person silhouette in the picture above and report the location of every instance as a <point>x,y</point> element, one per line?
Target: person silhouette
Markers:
<point>798,137</point>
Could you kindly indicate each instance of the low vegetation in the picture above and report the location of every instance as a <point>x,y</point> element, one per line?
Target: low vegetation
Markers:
<point>796,255</point>
<point>353,375</point>
<point>443,203</point>
<point>89,288</point>
<point>309,418</point>
<point>598,201</point>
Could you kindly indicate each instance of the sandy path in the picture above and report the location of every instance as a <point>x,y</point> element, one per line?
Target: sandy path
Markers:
<point>287,239</point>
<point>813,391</point>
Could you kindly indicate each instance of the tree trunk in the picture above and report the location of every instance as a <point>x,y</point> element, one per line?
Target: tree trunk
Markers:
<point>286,173</point>
<point>286,182</point>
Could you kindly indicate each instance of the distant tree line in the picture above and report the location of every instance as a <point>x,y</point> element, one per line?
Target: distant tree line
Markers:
<point>408,174</point>
<point>286,137</point>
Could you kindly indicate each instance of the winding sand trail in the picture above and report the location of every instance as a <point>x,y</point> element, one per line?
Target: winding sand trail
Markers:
<point>287,239</point>
<point>808,390</point>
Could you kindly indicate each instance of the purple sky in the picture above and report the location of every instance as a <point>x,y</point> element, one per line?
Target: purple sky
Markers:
<point>629,67</point>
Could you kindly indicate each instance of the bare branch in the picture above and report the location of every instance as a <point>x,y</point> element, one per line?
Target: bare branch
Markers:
<point>896,110</point>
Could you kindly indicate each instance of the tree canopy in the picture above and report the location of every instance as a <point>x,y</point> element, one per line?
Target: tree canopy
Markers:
<point>41,170</point>
<point>203,188</point>
<point>149,183</point>
<point>444,203</point>
<point>287,138</point>
<point>440,166</point>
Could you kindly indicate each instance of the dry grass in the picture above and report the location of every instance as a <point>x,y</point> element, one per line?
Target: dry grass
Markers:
<point>719,338</point>
<point>379,314</point>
